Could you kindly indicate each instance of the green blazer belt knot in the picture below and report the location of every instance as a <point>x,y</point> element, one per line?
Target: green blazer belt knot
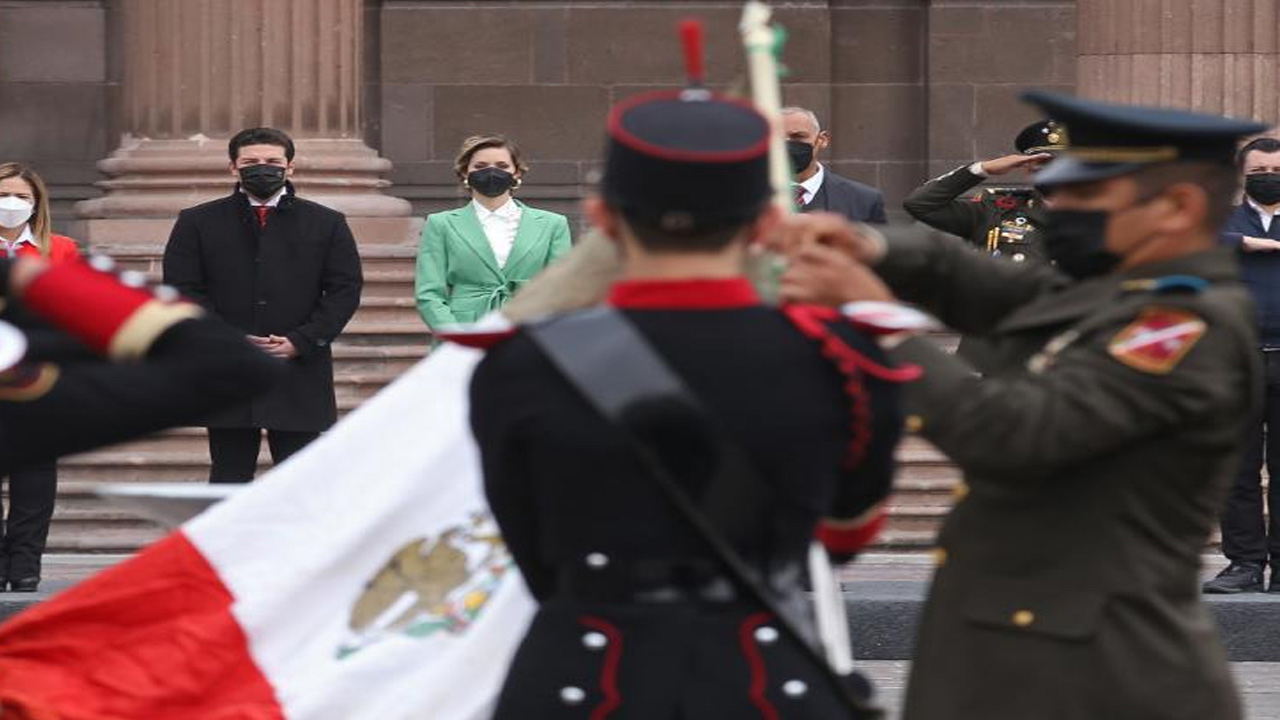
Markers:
<point>458,278</point>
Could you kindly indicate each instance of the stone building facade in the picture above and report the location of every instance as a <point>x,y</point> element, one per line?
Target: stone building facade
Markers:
<point>909,88</point>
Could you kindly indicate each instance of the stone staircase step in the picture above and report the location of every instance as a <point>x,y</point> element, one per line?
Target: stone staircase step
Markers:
<point>102,537</point>
<point>380,309</point>
<point>383,340</point>
<point>388,269</point>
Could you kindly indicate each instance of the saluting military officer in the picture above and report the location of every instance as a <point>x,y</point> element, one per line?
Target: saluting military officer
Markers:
<point>784,418</point>
<point>1100,445</point>
<point>1003,221</point>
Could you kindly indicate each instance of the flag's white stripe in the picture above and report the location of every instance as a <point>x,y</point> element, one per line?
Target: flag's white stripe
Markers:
<point>297,547</point>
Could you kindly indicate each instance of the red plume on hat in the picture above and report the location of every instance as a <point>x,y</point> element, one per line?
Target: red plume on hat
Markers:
<point>691,39</point>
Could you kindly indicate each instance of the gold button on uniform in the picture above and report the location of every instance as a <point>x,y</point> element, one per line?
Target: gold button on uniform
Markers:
<point>913,423</point>
<point>939,556</point>
<point>1023,618</point>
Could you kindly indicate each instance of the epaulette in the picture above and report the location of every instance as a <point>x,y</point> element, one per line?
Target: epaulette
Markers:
<point>1166,283</point>
<point>126,317</point>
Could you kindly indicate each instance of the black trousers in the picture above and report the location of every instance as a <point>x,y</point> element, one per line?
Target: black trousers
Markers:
<point>1246,534</point>
<point>234,451</point>
<point>32,490</point>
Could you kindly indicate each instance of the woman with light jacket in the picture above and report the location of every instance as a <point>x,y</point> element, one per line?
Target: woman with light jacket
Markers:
<point>473,259</point>
<point>25,230</point>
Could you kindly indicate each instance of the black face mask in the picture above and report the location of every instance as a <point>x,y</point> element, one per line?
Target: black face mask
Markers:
<point>801,154</point>
<point>1075,241</point>
<point>262,181</point>
<point>491,181</point>
<point>1264,188</point>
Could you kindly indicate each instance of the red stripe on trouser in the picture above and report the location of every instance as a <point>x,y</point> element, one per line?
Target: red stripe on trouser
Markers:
<point>759,679</point>
<point>153,637</point>
<point>851,539</point>
<point>609,672</point>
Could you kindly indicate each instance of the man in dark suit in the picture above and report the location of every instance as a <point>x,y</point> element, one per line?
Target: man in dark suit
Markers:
<point>1247,540</point>
<point>286,272</point>
<point>816,187</point>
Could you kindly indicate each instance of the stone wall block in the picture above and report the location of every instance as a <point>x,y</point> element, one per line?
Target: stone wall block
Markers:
<point>407,111</point>
<point>565,122</point>
<point>48,121</point>
<point>473,45</point>
<point>51,44</point>
<point>639,45</point>
<point>878,45</point>
<point>810,54</point>
<point>951,120</point>
<point>879,122</point>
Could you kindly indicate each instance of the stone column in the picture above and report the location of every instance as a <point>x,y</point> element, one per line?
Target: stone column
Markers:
<point>196,71</point>
<point>1216,56</point>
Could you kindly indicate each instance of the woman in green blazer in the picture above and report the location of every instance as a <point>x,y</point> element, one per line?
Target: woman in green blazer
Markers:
<point>473,259</point>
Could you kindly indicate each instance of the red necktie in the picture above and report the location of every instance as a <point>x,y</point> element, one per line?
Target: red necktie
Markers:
<point>262,211</point>
<point>799,196</point>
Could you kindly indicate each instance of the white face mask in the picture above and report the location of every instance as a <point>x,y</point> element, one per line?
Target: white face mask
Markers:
<point>14,212</point>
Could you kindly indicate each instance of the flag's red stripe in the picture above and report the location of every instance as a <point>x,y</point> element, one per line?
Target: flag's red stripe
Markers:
<point>153,637</point>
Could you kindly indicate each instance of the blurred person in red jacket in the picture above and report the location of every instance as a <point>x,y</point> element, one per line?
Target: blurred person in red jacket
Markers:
<point>25,230</point>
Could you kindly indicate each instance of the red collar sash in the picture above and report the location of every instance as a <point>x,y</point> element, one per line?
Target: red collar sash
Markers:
<point>689,294</point>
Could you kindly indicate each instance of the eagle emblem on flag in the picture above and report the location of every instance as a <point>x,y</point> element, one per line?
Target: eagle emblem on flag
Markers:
<point>431,585</point>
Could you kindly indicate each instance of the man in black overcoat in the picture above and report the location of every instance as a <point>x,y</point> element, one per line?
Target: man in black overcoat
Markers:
<point>286,272</point>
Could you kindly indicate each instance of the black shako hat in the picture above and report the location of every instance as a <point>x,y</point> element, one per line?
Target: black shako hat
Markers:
<point>1046,136</point>
<point>1111,140</point>
<point>685,160</point>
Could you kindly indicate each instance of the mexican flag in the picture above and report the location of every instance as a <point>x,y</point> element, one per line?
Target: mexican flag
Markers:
<point>364,578</point>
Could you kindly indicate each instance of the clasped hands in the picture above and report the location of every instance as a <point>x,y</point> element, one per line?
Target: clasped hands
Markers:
<point>828,260</point>
<point>274,345</point>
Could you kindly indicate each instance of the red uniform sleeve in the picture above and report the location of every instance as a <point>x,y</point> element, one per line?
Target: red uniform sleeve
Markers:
<point>111,318</point>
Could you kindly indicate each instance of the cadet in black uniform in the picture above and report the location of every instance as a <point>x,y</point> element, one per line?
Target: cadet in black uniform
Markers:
<point>639,619</point>
<point>119,362</point>
<point>1003,221</point>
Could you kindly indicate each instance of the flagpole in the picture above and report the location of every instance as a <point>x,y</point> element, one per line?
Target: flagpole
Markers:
<point>763,44</point>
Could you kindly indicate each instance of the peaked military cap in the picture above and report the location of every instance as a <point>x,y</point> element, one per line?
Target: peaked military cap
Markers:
<point>1045,136</point>
<point>683,160</point>
<point>1109,140</point>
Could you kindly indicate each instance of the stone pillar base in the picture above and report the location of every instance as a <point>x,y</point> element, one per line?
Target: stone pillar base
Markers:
<point>152,180</point>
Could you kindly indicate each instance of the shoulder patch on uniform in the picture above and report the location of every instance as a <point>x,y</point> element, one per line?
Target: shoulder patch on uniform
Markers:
<point>1157,340</point>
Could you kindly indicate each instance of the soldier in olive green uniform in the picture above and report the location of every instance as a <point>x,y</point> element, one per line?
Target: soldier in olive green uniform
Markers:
<point>1098,449</point>
<point>1003,221</point>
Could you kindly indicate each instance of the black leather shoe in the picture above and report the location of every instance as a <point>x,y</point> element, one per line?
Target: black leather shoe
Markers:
<point>27,584</point>
<point>1238,577</point>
